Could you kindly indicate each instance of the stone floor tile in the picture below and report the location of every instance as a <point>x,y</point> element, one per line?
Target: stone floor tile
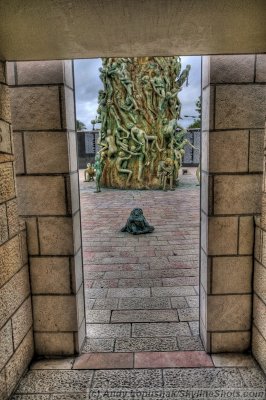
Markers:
<point>130,379</point>
<point>95,293</point>
<point>188,314</point>
<point>172,291</point>
<point>144,316</point>
<point>183,359</point>
<point>64,363</point>
<point>190,343</point>
<point>134,283</point>
<point>129,292</point>
<point>98,316</point>
<point>31,397</point>
<point>89,303</point>
<point>104,361</point>
<point>146,344</point>
<point>144,303</point>
<point>105,304</point>
<point>72,396</point>
<point>170,273</point>
<point>160,329</point>
<point>122,275</point>
<point>233,360</point>
<point>192,301</point>
<point>180,280</point>
<point>108,330</point>
<point>98,345</point>
<point>202,378</point>
<point>194,327</point>
<point>50,381</point>
<point>105,283</point>
<point>178,302</point>
<point>253,377</point>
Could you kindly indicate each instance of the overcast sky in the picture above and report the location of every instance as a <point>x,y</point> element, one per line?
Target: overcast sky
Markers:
<point>88,83</point>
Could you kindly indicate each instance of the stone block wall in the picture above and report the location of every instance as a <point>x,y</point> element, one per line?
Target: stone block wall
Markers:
<point>16,339</point>
<point>43,117</point>
<point>233,108</point>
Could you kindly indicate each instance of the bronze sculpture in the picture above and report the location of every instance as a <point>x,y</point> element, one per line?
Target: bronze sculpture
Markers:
<point>137,224</point>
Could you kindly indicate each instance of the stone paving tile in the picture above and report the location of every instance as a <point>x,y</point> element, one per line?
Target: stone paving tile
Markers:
<point>202,378</point>
<point>108,330</point>
<point>89,303</point>
<point>130,379</point>
<point>160,329</point>
<point>98,316</point>
<point>105,283</point>
<point>178,302</point>
<point>233,360</point>
<point>173,291</point>
<point>31,397</point>
<point>122,274</point>
<point>194,327</point>
<point>50,381</point>
<point>181,280</point>
<point>189,343</point>
<point>106,304</point>
<point>72,396</point>
<point>170,273</point>
<point>98,345</point>
<point>188,314</point>
<point>184,359</point>
<point>144,303</point>
<point>146,344</point>
<point>115,267</point>
<point>96,293</point>
<point>64,363</point>
<point>129,292</point>
<point>144,316</point>
<point>92,274</point>
<point>253,377</point>
<point>104,361</point>
<point>134,283</point>
<point>192,301</point>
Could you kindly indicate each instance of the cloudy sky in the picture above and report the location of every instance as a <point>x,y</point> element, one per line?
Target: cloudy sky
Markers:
<point>88,83</point>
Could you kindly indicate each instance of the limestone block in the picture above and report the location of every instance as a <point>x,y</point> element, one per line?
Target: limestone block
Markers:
<point>32,236</point>
<point>204,232</point>
<point>259,348</point>
<point>5,111</point>
<point>72,151</point>
<point>23,247</point>
<point>3,225</point>
<point>56,235</point>
<point>76,271</point>
<point>206,193</point>
<point>256,150</point>
<point>205,151</point>
<point>237,194</point>
<point>54,313</point>
<point>80,337</point>
<point>41,195</point>
<point>232,275</point>
<point>7,185</point>
<point>226,342</point>
<point>35,108</point>
<point>263,248</point>
<point>207,108</point>
<point>12,217</point>
<point>229,313</point>
<point>68,108</point>
<point>10,73</point>
<point>258,244</point>
<point>53,343</point>
<point>203,305</point>
<point>2,72</point>
<point>222,235</point>
<point>240,106</point>
<point>204,335</point>
<point>46,152</point>
<point>39,72</point>
<point>260,280</point>
<point>68,72</point>
<point>6,344</point>
<point>50,275</point>
<point>13,293</point>
<point>80,305</point>
<point>22,321</point>
<point>19,362</point>
<point>19,153</point>
<point>5,137</point>
<point>246,235</point>
<point>232,69</point>
<point>205,274</point>
<point>77,232</point>
<point>205,71</point>
<point>72,182</point>
<point>259,315</point>
<point>3,388</point>
<point>10,259</point>
<point>228,151</point>
<point>261,68</point>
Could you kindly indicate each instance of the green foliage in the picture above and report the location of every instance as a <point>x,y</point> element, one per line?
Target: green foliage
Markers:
<point>80,126</point>
<point>197,122</point>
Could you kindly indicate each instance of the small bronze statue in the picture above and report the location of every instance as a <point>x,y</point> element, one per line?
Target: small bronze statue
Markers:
<point>137,224</point>
<point>89,173</point>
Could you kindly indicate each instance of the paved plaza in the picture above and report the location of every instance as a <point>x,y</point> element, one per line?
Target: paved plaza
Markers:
<point>142,309</point>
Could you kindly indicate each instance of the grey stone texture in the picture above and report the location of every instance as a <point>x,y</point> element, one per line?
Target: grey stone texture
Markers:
<point>144,303</point>
<point>161,329</point>
<point>131,379</point>
<point>99,331</point>
<point>98,345</point>
<point>144,316</point>
<point>146,344</point>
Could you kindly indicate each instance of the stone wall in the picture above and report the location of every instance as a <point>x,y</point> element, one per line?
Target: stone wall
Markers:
<point>234,103</point>
<point>43,117</point>
<point>16,339</point>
